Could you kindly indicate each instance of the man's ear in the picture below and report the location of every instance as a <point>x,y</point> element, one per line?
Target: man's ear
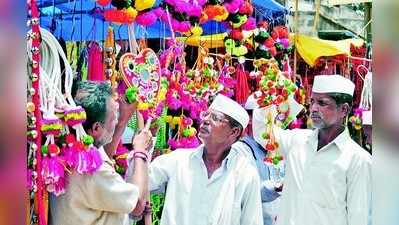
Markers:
<point>236,132</point>
<point>345,109</point>
<point>95,129</point>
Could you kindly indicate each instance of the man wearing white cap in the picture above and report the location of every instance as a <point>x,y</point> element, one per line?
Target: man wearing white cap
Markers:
<point>328,175</point>
<point>212,184</point>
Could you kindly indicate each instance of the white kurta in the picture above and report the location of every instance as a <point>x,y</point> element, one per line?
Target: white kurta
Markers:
<point>331,186</point>
<point>103,198</point>
<point>192,198</point>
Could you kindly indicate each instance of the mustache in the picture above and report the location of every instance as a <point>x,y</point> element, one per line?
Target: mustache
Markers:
<point>316,115</point>
<point>204,128</point>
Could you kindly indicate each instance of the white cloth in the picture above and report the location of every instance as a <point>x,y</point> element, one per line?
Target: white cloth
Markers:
<point>231,108</point>
<point>103,198</point>
<point>192,197</point>
<point>252,101</point>
<point>331,186</point>
<point>127,135</point>
<point>333,84</point>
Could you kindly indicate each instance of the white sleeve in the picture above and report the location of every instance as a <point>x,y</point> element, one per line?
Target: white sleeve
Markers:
<point>161,169</point>
<point>252,205</point>
<point>359,191</point>
<point>284,138</point>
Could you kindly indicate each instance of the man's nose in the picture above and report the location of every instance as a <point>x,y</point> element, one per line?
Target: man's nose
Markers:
<point>314,107</point>
<point>205,120</point>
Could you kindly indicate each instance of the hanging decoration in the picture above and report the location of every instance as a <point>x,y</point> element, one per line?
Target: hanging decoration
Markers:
<point>126,11</point>
<point>274,44</point>
<point>109,58</point>
<point>184,15</point>
<point>141,75</point>
<point>277,91</point>
<point>239,19</point>
<point>37,194</point>
<point>61,153</point>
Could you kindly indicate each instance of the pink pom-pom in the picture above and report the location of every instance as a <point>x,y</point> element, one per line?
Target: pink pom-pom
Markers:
<point>53,174</point>
<point>233,6</point>
<point>181,7</point>
<point>146,19</point>
<point>285,42</point>
<point>172,99</point>
<point>201,2</point>
<point>250,24</point>
<point>159,12</point>
<point>195,11</point>
<point>185,26</point>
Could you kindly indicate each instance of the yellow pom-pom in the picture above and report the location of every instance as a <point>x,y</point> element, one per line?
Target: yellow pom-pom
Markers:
<point>162,94</point>
<point>168,119</point>
<point>176,120</point>
<point>193,131</point>
<point>196,31</point>
<point>143,106</point>
<point>143,4</point>
<point>131,12</point>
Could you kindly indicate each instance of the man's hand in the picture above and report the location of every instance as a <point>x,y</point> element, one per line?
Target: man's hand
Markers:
<point>143,140</point>
<point>126,110</point>
<point>278,188</point>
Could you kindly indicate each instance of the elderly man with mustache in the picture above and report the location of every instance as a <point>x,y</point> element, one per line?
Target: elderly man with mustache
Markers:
<point>212,184</point>
<point>328,175</point>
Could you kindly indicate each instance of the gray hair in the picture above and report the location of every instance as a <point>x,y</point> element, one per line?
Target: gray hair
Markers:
<point>93,97</point>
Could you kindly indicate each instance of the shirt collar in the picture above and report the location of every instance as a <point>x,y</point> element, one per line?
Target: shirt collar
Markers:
<point>340,141</point>
<point>225,163</point>
<point>104,156</point>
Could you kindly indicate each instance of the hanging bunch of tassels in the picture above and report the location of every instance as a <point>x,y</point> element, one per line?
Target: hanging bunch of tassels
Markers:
<point>242,90</point>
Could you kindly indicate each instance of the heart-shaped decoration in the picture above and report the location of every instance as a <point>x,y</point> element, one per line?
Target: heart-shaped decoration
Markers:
<point>142,71</point>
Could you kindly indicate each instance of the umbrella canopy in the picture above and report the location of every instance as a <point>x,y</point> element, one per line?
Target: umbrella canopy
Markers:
<point>81,20</point>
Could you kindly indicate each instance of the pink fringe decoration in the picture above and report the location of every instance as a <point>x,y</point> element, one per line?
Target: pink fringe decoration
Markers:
<point>54,174</point>
<point>83,160</point>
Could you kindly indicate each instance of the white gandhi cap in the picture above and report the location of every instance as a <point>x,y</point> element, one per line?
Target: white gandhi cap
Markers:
<point>231,108</point>
<point>333,84</point>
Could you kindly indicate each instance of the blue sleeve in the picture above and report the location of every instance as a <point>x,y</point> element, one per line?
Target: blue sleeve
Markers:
<point>267,192</point>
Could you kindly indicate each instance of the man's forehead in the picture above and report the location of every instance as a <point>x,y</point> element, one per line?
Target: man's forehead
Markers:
<point>321,96</point>
<point>216,112</point>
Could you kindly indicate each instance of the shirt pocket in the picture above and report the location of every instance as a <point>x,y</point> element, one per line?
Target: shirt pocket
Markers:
<point>236,213</point>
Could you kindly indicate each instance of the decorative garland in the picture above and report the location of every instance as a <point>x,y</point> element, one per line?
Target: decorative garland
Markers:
<point>37,192</point>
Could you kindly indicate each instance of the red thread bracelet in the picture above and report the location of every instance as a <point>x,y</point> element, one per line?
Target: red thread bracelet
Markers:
<point>140,154</point>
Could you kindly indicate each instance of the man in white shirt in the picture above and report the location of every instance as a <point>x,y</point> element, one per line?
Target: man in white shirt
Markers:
<point>102,198</point>
<point>328,175</point>
<point>212,184</point>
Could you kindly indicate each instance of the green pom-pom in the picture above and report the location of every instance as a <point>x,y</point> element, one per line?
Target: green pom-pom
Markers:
<point>119,169</point>
<point>276,160</point>
<point>292,88</point>
<point>44,149</point>
<point>186,132</point>
<point>263,83</point>
<point>190,73</point>
<point>87,140</point>
<point>131,94</point>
